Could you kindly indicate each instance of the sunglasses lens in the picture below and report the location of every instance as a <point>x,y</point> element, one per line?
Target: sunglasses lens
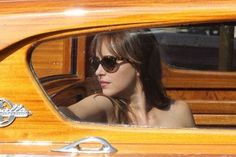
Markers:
<point>109,63</point>
<point>94,62</point>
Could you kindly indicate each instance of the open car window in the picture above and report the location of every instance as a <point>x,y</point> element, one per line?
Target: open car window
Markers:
<point>64,73</point>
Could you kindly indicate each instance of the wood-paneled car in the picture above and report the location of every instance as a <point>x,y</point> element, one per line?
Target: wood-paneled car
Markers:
<point>44,52</point>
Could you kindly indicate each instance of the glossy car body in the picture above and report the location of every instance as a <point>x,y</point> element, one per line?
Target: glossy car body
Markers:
<point>24,23</point>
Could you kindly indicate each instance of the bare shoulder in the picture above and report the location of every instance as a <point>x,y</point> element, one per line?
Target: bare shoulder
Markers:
<point>180,105</point>
<point>183,114</point>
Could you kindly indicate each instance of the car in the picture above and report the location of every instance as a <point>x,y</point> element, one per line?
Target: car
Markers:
<point>44,66</point>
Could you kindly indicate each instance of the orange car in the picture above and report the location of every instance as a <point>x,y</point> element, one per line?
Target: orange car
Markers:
<point>44,66</point>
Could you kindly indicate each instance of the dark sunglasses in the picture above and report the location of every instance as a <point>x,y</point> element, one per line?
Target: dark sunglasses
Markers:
<point>109,63</point>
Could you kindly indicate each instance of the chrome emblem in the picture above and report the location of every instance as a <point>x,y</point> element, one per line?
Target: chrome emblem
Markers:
<point>9,112</point>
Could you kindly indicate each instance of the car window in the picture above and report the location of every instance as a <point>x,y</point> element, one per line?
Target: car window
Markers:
<point>199,47</point>
<point>68,70</point>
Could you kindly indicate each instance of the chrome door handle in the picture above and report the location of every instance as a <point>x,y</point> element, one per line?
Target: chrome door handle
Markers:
<point>76,147</point>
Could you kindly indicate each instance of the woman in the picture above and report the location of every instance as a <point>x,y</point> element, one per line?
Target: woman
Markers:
<point>127,65</point>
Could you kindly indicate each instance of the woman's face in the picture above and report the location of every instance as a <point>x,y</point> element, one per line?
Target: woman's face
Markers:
<point>120,83</point>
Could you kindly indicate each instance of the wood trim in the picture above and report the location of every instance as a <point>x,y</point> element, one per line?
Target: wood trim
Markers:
<point>125,149</point>
<point>176,78</point>
<point>55,84</point>
<point>57,77</point>
<point>212,107</point>
<point>215,119</point>
<point>67,56</point>
<point>81,59</point>
<point>159,13</point>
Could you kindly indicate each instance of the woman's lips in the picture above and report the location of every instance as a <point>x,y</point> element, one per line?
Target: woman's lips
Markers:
<point>104,83</point>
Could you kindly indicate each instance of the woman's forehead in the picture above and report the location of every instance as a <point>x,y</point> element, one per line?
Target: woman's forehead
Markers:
<point>105,48</point>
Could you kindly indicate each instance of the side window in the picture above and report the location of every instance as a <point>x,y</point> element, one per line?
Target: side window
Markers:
<point>208,48</point>
<point>198,68</point>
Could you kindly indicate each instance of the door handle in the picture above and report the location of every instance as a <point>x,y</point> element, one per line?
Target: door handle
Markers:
<point>76,147</point>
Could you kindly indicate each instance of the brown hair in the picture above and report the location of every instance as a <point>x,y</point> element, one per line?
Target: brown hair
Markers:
<point>140,47</point>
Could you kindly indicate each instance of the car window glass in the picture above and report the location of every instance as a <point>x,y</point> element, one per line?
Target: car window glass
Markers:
<point>199,48</point>
<point>64,69</point>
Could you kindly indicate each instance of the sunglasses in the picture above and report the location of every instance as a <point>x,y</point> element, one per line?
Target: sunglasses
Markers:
<point>109,63</point>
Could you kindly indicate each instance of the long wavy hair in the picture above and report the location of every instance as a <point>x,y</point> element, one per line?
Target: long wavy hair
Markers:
<point>140,47</point>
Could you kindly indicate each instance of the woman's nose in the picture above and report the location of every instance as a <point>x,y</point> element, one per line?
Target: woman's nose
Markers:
<point>100,70</point>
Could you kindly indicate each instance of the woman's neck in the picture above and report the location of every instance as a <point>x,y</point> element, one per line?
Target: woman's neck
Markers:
<point>137,106</point>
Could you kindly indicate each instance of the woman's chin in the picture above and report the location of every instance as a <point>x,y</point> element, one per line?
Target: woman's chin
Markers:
<point>108,92</point>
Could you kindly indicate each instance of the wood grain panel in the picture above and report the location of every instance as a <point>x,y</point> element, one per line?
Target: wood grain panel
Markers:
<point>56,85</point>
<point>213,107</point>
<point>134,150</point>
<point>55,16</point>
<point>81,60</point>
<point>203,94</point>
<point>46,5</point>
<point>178,78</point>
<point>52,58</point>
<point>215,120</point>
